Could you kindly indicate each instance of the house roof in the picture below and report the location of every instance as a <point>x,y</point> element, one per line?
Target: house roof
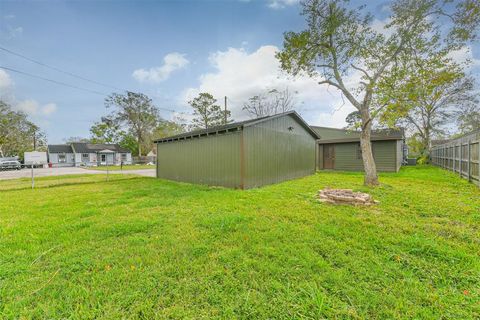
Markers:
<point>81,147</point>
<point>59,148</point>
<point>334,135</point>
<point>240,125</point>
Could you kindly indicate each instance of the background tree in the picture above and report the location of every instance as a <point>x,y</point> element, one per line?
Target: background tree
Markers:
<point>468,117</point>
<point>137,113</point>
<point>269,103</point>
<point>206,112</point>
<point>339,41</point>
<point>108,130</point>
<point>76,139</point>
<point>17,133</point>
<point>353,120</point>
<point>168,128</point>
<point>427,97</point>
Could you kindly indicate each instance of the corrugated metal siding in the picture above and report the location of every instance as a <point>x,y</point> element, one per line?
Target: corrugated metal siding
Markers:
<point>319,157</point>
<point>384,153</point>
<point>273,153</point>
<point>399,154</point>
<point>211,160</point>
<point>334,133</point>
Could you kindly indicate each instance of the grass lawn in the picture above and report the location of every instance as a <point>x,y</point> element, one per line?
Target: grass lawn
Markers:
<point>145,248</point>
<point>125,167</point>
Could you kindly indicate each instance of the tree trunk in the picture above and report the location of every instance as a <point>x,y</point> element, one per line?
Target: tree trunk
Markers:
<point>426,146</point>
<point>139,147</point>
<point>371,177</point>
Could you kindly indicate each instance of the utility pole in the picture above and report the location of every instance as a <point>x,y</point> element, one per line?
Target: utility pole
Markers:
<point>34,140</point>
<point>225,113</point>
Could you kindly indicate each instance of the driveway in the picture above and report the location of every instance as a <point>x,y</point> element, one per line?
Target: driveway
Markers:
<point>48,172</point>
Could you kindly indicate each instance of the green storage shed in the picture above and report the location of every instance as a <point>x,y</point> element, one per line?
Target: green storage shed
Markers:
<point>241,155</point>
<point>339,149</point>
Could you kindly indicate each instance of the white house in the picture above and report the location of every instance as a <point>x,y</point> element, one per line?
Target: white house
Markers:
<point>88,154</point>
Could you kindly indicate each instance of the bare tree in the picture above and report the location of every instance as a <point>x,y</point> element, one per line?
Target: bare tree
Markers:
<point>270,103</point>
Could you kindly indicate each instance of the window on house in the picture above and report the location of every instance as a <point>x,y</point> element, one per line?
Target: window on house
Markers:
<point>62,158</point>
<point>85,157</point>
<point>104,158</point>
<point>124,157</point>
<point>359,151</point>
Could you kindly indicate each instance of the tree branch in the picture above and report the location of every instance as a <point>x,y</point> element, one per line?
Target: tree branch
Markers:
<point>361,70</point>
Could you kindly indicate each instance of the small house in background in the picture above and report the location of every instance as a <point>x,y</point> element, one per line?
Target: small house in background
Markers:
<point>61,155</point>
<point>241,155</point>
<point>87,154</point>
<point>339,149</point>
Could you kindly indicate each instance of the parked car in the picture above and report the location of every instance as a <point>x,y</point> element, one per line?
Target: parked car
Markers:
<point>11,164</point>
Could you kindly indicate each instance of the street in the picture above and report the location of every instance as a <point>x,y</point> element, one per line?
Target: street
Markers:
<point>48,172</point>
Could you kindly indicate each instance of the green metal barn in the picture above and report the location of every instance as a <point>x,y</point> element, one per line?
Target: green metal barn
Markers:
<point>241,155</point>
<point>339,149</point>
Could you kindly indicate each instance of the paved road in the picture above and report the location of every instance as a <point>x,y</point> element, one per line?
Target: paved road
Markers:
<point>47,172</point>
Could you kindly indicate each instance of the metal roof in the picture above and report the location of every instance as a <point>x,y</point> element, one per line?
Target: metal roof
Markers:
<point>81,147</point>
<point>231,127</point>
<point>59,148</point>
<point>345,135</point>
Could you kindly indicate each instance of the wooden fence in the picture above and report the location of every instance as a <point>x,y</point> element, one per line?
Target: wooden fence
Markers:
<point>461,155</point>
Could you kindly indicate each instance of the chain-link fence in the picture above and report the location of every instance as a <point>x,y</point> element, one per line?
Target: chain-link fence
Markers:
<point>16,175</point>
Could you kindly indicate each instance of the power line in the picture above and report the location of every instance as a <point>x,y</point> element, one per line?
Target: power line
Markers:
<point>70,74</point>
<point>74,87</point>
<point>53,81</point>
<point>59,70</point>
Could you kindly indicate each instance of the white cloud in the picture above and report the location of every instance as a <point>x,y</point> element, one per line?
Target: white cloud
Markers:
<point>240,75</point>
<point>171,62</point>
<point>5,80</point>
<point>280,4</point>
<point>380,26</point>
<point>7,28</point>
<point>29,106</point>
<point>465,55</point>
<point>49,108</point>
<point>14,32</point>
<point>33,108</point>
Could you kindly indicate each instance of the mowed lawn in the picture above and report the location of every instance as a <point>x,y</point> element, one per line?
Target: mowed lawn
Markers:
<point>143,248</point>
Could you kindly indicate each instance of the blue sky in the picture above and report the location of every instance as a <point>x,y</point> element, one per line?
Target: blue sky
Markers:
<point>168,50</point>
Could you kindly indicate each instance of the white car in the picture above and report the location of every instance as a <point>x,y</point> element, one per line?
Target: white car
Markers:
<point>10,164</point>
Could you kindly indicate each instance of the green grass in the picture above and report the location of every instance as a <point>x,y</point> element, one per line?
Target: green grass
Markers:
<point>125,167</point>
<point>146,248</point>
<point>56,181</point>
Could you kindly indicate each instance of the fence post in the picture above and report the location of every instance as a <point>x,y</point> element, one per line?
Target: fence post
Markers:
<point>444,156</point>
<point>469,160</point>
<point>460,160</point>
<point>454,156</point>
<point>33,179</point>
